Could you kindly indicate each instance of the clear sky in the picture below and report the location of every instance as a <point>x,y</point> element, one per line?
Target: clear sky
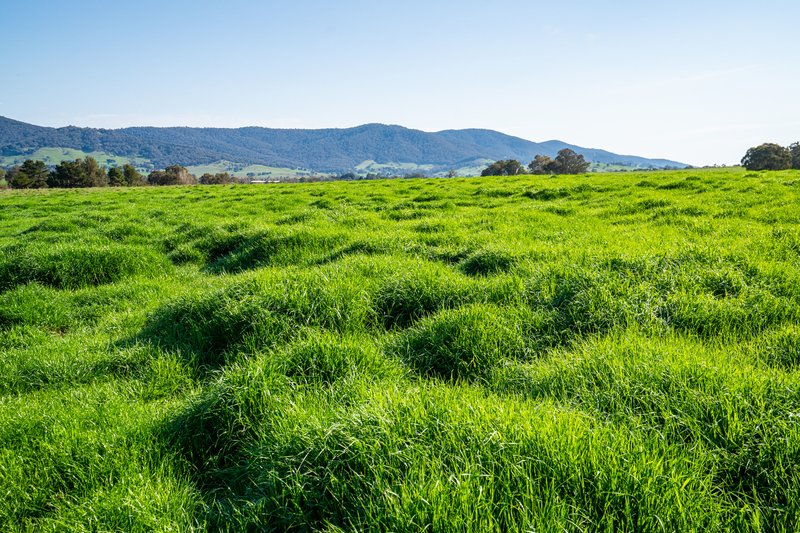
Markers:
<point>695,81</point>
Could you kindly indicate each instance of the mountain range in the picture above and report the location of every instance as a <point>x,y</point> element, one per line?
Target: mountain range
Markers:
<point>371,146</point>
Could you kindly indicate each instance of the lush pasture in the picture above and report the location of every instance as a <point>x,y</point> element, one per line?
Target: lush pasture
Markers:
<point>600,352</point>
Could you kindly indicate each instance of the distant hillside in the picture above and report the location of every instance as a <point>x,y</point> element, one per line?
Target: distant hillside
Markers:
<point>324,150</point>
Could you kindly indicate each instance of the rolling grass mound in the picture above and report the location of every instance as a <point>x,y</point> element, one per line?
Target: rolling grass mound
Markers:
<point>570,353</point>
<point>488,261</point>
<point>267,249</point>
<point>259,312</point>
<point>420,290</point>
<point>464,344</point>
<point>450,458</point>
<point>71,266</point>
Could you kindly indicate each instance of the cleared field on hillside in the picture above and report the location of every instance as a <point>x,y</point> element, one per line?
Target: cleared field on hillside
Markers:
<point>600,352</point>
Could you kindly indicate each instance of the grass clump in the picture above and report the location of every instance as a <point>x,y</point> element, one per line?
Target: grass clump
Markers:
<point>440,457</point>
<point>464,344</point>
<point>71,266</point>
<point>258,312</point>
<point>488,261</point>
<point>270,249</point>
<point>419,290</point>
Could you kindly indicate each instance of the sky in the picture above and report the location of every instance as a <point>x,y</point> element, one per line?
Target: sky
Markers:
<point>693,81</point>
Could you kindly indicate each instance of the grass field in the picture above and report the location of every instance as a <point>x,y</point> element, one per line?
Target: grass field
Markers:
<point>54,156</point>
<point>253,171</point>
<point>614,352</point>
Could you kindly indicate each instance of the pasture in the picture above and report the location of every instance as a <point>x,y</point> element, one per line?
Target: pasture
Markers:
<point>614,352</point>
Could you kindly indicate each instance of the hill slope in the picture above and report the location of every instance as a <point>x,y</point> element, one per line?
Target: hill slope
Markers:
<point>321,150</point>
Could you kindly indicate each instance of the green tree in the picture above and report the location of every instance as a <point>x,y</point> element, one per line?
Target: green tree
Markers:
<point>31,175</point>
<point>116,178</point>
<point>84,172</point>
<point>568,162</point>
<point>767,156</point>
<point>220,178</point>
<point>541,164</point>
<point>132,176</point>
<point>172,175</point>
<point>95,174</point>
<point>504,167</point>
<point>794,149</point>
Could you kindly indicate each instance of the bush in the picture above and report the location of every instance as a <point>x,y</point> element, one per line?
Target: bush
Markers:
<point>767,156</point>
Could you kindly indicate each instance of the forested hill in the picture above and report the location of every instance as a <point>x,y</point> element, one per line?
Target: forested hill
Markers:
<point>324,150</point>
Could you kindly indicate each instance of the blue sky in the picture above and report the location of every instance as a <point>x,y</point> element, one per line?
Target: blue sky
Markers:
<point>698,82</point>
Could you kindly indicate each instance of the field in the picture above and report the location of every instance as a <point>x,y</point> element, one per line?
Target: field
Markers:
<point>254,171</point>
<point>613,352</point>
<point>54,156</point>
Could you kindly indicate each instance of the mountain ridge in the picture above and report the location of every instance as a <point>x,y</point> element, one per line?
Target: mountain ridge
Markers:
<point>322,150</point>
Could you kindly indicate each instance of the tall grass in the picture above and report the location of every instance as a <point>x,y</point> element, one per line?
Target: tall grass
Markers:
<point>602,352</point>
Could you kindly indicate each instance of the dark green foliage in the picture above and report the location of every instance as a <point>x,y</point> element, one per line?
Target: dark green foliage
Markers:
<point>220,178</point>
<point>566,162</point>
<point>767,156</point>
<point>79,173</point>
<point>332,150</point>
<point>505,167</point>
<point>116,178</point>
<point>29,175</point>
<point>794,148</point>
<point>132,176</point>
<point>172,175</point>
<point>541,164</point>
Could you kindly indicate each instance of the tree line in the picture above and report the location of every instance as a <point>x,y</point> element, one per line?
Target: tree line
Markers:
<point>566,162</point>
<point>771,156</point>
<point>87,172</point>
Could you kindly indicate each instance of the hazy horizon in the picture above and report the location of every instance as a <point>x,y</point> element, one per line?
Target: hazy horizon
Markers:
<point>692,83</point>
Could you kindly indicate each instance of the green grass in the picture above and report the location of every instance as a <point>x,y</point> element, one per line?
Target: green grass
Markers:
<point>55,155</point>
<point>615,352</point>
<point>253,171</point>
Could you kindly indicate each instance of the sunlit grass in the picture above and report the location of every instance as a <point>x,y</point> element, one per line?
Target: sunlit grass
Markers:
<point>601,352</point>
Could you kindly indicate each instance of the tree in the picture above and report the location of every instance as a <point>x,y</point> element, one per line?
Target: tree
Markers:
<point>794,149</point>
<point>504,167</point>
<point>172,175</point>
<point>568,162</point>
<point>31,175</point>
<point>116,178</point>
<point>84,172</point>
<point>132,176</point>
<point>220,178</point>
<point>767,156</point>
<point>541,164</point>
<point>95,174</point>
